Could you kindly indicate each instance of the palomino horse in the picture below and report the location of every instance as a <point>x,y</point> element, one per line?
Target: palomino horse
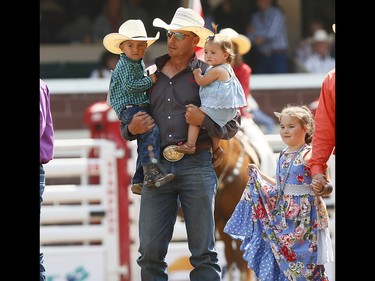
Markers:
<point>233,176</point>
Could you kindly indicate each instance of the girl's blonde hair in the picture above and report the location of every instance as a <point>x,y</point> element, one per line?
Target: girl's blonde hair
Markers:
<point>305,116</point>
<point>223,41</point>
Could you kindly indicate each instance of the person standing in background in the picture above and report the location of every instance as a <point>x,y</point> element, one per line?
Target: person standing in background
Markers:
<point>320,60</point>
<point>46,148</point>
<point>268,32</point>
<point>304,49</point>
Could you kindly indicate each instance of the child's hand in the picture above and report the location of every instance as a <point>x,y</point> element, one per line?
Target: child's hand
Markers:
<point>153,77</point>
<point>252,166</point>
<point>197,71</point>
<point>320,189</point>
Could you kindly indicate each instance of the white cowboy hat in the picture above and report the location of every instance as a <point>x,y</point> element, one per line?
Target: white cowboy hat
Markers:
<point>321,36</point>
<point>334,27</point>
<point>243,43</point>
<point>129,30</point>
<point>189,20</point>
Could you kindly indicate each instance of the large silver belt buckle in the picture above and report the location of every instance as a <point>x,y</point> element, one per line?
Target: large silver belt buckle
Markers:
<point>172,155</point>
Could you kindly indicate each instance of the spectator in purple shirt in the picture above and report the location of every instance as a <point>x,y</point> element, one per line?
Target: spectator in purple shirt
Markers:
<point>46,147</point>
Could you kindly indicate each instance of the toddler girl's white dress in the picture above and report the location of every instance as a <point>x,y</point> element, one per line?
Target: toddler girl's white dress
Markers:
<point>221,99</point>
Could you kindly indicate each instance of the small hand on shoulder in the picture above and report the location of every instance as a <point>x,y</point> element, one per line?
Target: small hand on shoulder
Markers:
<point>197,71</point>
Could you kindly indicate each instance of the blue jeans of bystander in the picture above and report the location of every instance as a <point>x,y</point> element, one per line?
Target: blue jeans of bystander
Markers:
<point>41,191</point>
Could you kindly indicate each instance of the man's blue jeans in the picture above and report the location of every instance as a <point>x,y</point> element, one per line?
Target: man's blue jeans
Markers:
<point>194,187</point>
<point>41,191</point>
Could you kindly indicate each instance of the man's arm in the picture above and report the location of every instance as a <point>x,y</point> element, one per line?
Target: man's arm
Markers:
<point>195,116</point>
<point>324,141</point>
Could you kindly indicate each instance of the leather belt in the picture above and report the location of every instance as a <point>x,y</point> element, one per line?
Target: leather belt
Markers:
<point>172,155</point>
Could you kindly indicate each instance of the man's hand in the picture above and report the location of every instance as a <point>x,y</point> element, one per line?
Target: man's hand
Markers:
<point>193,115</point>
<point>320,185</point>
<point>141,123</point>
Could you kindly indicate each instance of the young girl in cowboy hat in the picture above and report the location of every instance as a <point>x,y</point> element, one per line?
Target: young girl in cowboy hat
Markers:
<point>128,96</point>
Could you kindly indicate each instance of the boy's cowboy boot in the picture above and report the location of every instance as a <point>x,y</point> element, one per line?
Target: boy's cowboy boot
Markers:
<point>154,177</point>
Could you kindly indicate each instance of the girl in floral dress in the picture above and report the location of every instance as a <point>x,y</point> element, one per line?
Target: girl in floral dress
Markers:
<point>282,223</point>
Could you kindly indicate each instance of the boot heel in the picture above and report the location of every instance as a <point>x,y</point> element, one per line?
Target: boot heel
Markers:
<point>167,178</point>
<point>154,177</point>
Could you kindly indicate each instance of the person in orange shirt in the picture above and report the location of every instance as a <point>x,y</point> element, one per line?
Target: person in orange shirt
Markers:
<point>324,140</point>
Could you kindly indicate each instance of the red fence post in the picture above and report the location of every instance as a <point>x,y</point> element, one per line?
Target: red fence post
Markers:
<point>103,123</point>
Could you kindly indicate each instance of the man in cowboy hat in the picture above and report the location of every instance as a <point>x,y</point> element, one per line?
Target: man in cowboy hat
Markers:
<point>128,95</point>
<point>174,105</point>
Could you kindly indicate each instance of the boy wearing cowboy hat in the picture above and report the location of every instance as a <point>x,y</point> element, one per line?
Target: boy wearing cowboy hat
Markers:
<point>174,105</point>
<point>128,96</point>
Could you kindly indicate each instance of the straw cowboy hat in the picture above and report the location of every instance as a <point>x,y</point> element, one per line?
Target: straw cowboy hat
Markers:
<point>188,20</point>
<point>129,30</point>
<point>243,43</point>
<point>321,36</point>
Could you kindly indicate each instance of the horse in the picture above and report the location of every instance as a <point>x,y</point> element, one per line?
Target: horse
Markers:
<point>232,177</point>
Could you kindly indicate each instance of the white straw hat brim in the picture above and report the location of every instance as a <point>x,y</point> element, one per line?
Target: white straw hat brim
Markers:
<point>112,41</point>
<point>201,32</point>
<point>243,42</point>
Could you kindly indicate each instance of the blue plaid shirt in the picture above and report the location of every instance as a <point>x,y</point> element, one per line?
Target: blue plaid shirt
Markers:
<point>129,84</point>
<point>271,25</point>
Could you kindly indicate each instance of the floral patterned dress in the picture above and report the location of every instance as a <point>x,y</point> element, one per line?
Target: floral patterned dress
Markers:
<point>284,228</point>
